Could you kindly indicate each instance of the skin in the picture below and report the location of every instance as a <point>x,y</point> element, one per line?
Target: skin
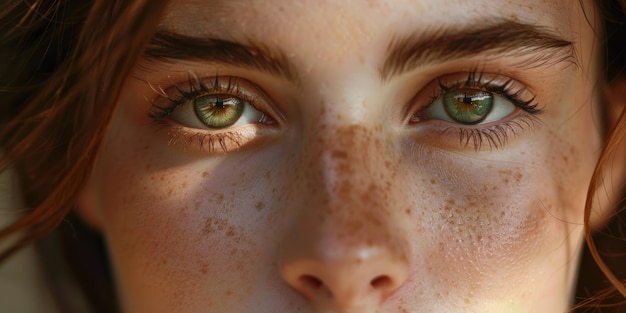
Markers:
<point>343,205</point>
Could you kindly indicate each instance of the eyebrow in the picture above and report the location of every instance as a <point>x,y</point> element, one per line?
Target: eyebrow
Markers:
<point>166,45</point>
<point>539,44</point>
<point>536,45</point>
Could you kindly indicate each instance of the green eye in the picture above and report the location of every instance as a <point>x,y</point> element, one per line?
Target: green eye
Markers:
<point>216,111</point>
<point>467,106</point>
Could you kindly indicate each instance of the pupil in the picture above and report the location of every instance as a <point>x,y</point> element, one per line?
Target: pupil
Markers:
<point>468,106</point>
<point>219,103</point>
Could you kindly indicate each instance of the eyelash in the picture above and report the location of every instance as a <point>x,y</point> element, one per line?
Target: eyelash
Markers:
<point>216,142</point>
<point>496,135</point>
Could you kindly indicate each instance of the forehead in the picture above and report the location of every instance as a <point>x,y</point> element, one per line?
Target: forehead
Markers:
<point>354,20</point>
<point>320,36</point>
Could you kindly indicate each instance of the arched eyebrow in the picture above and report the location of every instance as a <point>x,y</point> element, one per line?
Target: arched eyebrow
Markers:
<point>534,45</point>
<point>166,45</point>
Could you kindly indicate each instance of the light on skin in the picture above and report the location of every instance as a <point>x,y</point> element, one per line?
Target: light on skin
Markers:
<point>353,194</point>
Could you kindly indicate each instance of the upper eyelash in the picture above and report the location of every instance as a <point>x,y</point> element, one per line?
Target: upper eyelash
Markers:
<point>196,87</point>
<point>496,136</point>
<point>212,142</point>
<point>505,90</point>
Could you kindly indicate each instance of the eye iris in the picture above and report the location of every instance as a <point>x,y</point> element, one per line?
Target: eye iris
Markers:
<point>218,112</point>
<point>468,106</point>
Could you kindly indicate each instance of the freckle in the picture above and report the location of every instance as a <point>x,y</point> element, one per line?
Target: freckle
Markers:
<point>205,174</point>
<point>204,269</point>
<point>208,226</point>
<point>433,181</point>
<point>229,292</point>
<point>183,185</point>
<point>219,198</point>
<point>362,61</point>
<point>259,206</point>
<point>339,154</point>
<point>230,232</point>
<point>408,211</point>
<point>221,225</point>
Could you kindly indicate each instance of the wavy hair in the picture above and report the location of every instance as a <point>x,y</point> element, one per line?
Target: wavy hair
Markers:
<point>64,64</point>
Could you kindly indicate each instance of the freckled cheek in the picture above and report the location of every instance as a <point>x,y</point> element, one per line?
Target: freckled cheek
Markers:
<point>570,161</point>
<point>183,231</point>
<point>481,229</point>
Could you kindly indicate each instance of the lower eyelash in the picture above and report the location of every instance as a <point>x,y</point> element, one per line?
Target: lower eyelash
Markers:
<point>215,142</point>
<point>495,136</point>
<point>211,143</point>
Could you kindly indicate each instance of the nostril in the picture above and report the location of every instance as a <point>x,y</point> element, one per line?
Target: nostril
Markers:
<point>310,281</point>
<point>310,286</point>
<point>381,282</point>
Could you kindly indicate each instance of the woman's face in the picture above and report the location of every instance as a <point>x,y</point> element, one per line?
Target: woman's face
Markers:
<point>352,156</point>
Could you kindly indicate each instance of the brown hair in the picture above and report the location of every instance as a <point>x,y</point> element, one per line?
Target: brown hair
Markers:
<point>66,62</point>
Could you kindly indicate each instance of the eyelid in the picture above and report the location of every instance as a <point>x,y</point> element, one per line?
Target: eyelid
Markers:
<point>167,100</point>
<point>516,92</point>
<point>491,134</point>
<point>207,140</point>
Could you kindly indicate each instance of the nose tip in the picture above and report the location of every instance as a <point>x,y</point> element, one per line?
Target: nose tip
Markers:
<point>343,283</point>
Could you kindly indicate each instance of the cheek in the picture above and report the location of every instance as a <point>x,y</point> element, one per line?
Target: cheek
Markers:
<point>486,223</point>
<point>183,231</point>
<point>482,225</point>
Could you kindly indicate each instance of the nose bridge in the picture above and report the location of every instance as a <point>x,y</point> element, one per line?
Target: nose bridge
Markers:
<point>354,169</point>
<point>346,248</point>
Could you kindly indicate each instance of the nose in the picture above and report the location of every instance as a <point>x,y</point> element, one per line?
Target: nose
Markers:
<point>346,251</point>
<point>358,279</point>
